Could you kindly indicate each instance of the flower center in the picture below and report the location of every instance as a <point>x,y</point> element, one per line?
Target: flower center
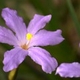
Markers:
<point>29,36</point>
<point>24,47</point>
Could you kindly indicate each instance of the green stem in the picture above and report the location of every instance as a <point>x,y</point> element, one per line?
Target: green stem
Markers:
<point>12,74</point>
<point>73,15</point>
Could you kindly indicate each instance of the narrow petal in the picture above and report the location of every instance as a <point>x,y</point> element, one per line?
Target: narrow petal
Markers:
<point>69,70</point>
<point>38,22</point>
<point>44,38</point>
<point>43,58</point>
<point>6,36</point>
<point>13,58</point>
<point>14,22</point>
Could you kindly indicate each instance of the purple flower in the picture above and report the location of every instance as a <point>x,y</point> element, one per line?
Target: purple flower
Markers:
<point>69,70</point>
<point>25,41</point>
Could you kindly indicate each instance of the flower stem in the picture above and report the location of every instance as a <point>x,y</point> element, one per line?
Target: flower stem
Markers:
<point>12,74</point>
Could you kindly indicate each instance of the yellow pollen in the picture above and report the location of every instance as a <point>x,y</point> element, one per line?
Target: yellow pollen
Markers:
<point>29,36</point>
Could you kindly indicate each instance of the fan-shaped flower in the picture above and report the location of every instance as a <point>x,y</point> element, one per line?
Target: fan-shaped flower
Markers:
<point>26,41</point>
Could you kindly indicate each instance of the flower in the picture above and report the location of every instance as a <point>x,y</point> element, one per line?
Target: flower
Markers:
<point>69,70</point>
<point>26,41</point>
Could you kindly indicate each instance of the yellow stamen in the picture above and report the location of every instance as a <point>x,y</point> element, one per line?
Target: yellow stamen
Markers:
<point>29,36</point>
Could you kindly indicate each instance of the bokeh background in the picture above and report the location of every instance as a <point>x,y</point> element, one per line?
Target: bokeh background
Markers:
<point>65,16</point>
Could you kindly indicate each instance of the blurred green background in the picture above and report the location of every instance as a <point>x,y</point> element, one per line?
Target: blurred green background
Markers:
<point>65,16</point>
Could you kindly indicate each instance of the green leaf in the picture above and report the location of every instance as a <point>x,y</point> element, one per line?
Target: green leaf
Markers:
<point>73,15</point>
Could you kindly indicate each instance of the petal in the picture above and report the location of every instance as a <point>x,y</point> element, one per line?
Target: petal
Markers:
<point>44,38</point>
<point>43,58</point>
<point>14,22</point>
<point>69,70</point>
<point>38,22</point>
<point>6,36</point>
<point>13,58</point>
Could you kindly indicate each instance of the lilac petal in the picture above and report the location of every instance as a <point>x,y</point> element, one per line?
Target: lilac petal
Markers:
<point>38,22</point>
<point>69,70</point>
<point>44,38</point>
<point>43,58</point>
<point>6,36</point>
<point>13,58</point>
<point>14,22</point>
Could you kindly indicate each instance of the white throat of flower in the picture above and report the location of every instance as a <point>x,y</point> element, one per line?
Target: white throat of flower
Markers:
<point>28,38</point>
